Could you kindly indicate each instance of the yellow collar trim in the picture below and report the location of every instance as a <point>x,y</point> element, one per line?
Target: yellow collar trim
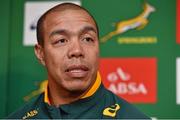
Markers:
<point>94,88</point>
<point>89,93</point>
<point>46,98</point>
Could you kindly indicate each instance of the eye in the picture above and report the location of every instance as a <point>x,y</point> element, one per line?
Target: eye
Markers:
<point>60,41</point>
<point>88,39</point>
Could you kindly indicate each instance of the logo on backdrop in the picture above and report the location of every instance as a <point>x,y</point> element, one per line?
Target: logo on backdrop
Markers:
<point>124,83</point>
<point>33,10</point>
<point>134,79</point>
<point>41,88</point>
<point>137,23</point>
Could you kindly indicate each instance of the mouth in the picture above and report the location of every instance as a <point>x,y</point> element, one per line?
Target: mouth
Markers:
<point>77,71</point>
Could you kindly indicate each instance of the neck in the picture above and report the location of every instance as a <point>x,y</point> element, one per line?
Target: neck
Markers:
<point>55,95</point>
<point>58,96</point>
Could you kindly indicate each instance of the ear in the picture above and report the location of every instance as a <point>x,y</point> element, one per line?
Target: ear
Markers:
<point>38,49</point>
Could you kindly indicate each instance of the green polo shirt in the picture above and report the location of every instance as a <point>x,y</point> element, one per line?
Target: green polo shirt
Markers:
<point>96,103</point>
<point>102,104</point>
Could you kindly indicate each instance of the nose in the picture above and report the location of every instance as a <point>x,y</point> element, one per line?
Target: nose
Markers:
<point>76,50</point>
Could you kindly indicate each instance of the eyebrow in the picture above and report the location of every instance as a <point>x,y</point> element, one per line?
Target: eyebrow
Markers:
<point>88,28</point>
<point>64,31</point>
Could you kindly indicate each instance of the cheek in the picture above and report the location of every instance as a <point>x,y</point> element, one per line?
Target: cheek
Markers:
<point>54,58</point>
<point>93,57</point>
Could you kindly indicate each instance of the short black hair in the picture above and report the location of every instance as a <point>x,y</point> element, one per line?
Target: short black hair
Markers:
<point>59,7</point>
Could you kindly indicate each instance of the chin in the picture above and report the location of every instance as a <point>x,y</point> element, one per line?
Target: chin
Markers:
<point>78,87</point>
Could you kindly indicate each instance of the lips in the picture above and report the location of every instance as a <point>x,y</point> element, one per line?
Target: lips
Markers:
<point>77,71</point>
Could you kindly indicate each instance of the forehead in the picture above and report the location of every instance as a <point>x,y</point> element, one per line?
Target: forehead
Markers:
<point>70,17</point>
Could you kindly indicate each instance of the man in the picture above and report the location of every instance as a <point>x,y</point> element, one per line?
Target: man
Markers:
<point>68,47</point>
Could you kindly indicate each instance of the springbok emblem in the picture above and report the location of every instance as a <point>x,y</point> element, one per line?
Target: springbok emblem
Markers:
<point>138,23</point>
<point>42,86</point>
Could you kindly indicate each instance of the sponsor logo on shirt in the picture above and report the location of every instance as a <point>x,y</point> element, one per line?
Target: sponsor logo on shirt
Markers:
<point>111,111</point>
<point>30,114</point>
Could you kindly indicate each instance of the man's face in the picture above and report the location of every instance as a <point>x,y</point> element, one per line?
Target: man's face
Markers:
<point>71,49</point>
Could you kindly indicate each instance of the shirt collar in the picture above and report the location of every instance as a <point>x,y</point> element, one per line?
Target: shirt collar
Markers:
<point>89,93</point>
<point>46,97</point>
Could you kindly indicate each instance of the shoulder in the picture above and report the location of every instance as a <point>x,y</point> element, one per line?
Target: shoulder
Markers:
<point>29,109</point>
<point>125,109</point>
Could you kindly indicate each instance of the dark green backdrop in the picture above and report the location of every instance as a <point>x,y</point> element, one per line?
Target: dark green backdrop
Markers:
<point>20,71</point>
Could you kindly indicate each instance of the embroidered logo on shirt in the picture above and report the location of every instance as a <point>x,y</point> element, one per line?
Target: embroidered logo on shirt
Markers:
<point>30,114</point>
<point>111,111</point>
